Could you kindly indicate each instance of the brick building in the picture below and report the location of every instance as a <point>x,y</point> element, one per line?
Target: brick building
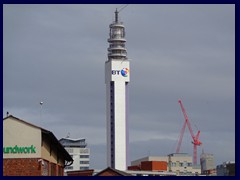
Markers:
<point>29,150</point>
<point>150,166</point>
<point>150,163</point>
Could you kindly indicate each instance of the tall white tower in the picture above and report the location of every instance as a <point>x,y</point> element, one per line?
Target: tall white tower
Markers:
<point>117,77</point>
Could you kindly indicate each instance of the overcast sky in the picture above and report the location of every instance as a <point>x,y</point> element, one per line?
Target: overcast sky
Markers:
<point>56,54</point>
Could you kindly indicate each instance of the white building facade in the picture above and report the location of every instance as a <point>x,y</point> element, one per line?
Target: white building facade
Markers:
<point>208,166</point>
<point>182,165</point>
<point>79,152</point>
<point>117,77</point>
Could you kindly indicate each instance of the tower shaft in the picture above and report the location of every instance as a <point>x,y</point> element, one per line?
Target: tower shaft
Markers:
<point>117,77</point>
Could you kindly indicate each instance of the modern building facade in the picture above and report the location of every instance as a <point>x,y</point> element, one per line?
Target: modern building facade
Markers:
<point>207,164</point>
<point>117,78</point>
<point>29,150</point>
<point>78,150</point>
<point>182,165</point>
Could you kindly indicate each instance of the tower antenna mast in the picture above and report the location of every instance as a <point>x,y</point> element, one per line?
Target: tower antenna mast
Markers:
<point>123,7</point>
<point>117,11</point>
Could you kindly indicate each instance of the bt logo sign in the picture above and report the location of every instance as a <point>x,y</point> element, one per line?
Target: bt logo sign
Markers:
<point>124,72</point>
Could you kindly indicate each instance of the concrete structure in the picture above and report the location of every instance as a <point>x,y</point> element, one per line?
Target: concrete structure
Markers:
<point>78,151</point>
<point>117,77</point>
<point>207,164</point>
<point>182,165</point>
<point>29,150</point>
<point>226,169</point>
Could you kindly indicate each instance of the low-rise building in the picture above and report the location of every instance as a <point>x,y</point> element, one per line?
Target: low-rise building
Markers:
<point>149,158</point>
<point>29,150</point>
<point>181,164</point>
<point>150,163</point>
<point>207,164</point>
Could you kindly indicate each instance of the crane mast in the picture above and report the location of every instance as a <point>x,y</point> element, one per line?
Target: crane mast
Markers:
<point>195,138</point>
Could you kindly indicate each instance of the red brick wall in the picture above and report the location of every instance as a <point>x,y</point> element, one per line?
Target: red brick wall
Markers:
<point>30,167</point>
<point>159,166</point>
<point>134,168</point>
<point>21,167</point>
<point>154,165</point>
<point>146,165</point>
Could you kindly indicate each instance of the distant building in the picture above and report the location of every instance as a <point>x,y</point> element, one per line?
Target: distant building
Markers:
<point>112,172</point>
<point>150,163</point>
<point>150,173</point>
<point>29,150</point>
<point>115,172</point>
<point>226,169</point>
<point>182,165</point>
<point>179,164</point>
<point>89,172</point>
<point>78,150</point>
<point>207,164</point>
<point>149,158</point>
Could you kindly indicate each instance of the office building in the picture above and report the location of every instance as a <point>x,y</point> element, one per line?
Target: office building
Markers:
<point>182,165</point>
<point>78,150</point>
<point>207,164</point>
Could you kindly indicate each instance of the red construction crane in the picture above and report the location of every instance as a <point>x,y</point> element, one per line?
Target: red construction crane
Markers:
<point>195,139</point>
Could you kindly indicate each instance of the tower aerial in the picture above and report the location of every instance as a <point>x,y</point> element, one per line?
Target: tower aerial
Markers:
<point>117,77</point>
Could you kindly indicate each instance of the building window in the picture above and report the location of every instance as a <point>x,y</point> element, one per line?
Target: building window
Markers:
<point>84,162</point>
<point>69,167</point>
<point>189,164</point>
<point>173,164</point>
<point>84,156</point>
<point>84,168</point>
